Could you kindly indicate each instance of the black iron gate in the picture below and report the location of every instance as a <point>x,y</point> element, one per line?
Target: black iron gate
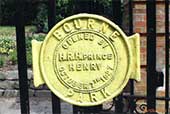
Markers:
<point>154,78</point>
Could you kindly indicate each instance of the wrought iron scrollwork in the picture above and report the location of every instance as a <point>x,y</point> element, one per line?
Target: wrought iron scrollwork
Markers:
<point>137,105</point>
<point>141,108</point>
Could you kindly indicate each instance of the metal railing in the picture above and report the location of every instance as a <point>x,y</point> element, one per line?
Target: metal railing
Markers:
<point>117,18</point>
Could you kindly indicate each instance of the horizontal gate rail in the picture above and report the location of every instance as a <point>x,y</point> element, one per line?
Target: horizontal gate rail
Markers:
<point>141,97</point>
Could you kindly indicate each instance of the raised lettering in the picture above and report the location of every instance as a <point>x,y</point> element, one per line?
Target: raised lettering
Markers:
<point>86,36</point>
<point>90,24</point>
<point>76,56</point>
<point>103,43</point>
<point>91,37</point>
<point>104,27</point>
<point>61,69</point>
<point>70,56</point>
<point>57,35</point>
<point>69,41</point>
<point>71,67</point>
<point>61,57</point>
<point>84,67</point>
<point>104,57</point>
<point>93,97</point>
<point>74,39</point>
<point>80,97</point>
<point>114,35</point>
<point>70,93</point>
<point>105,93</point>
<point>93,67</point>
<point>80,36</point>
<point>77,23</point>
<point>65,45</point>
<point>78,66</point>
<point>67,27</point>
<point>108,67</point>
<point>109,56</point>
<point>98,66</point>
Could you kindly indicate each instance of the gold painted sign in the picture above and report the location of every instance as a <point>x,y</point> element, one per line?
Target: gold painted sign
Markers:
<point>86,60</point>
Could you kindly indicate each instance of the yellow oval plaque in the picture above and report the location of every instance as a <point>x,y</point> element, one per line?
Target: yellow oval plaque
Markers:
<point>86,60</point>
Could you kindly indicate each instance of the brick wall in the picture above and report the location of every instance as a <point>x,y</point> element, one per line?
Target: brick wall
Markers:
<point>139,26</point>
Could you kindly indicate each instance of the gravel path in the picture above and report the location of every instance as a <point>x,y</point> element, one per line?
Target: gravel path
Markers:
<point>37,106</point>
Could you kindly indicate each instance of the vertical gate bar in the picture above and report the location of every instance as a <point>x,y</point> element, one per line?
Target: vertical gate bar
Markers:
<point>117,18</point>
<point>130,17</point>
<point>130,33</point>
<point>117,13</point>
<point>87,110</point>
<point>21,56</point>
<point>55,104</point>
<point>51,13</point>
<point>75,109</point>
<point>90,5</point>
<point>51,22</point>
<point>119,104</point>
<point>77,4</point>
<point>151,55</point>
<point>167,54</point>
<point>98,108</point>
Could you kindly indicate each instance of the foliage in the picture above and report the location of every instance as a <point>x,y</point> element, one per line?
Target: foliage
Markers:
<point>29,58</point>
<point>9,31</point>
<point>38,37</point>
<point>64,9</point>
<point>7,45</point>
<point>36,12</point>
<point>7,12</point>
<point>41,20</point>
<point>2,61</point>
<point>13,57</point>
<point>30,29</point>
<point>106,3</point>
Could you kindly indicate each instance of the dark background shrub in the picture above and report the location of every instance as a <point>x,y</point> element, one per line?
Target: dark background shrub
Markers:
<point>8,8</point>
<point>36,11</point>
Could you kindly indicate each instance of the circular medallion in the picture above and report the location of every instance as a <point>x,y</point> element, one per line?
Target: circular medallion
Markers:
<point>80,68</point>
<point>85,60</point>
